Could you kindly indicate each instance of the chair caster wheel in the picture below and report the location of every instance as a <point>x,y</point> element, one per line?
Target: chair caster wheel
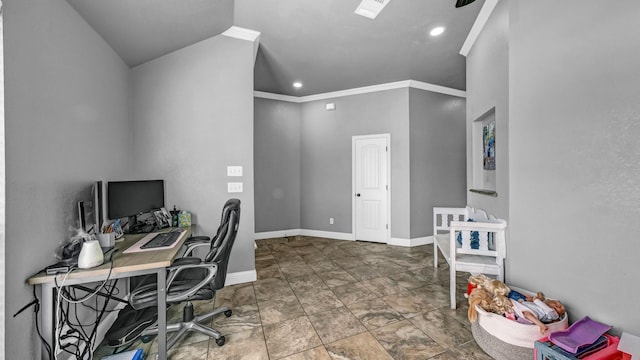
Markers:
<point>220,341</point>
<point>227,313</point>
<point>146,339</point>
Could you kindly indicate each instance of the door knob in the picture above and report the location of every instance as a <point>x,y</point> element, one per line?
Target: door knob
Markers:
<point>358,194</point>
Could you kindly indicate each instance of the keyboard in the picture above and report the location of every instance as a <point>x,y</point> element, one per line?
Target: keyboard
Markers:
<point>162,239</point>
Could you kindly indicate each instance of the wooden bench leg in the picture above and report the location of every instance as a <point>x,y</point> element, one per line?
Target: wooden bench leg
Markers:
<point>435,253</point>
<point>452,285</point>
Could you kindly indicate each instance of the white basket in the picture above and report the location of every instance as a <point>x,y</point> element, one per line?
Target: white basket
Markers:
<point>513,332</point>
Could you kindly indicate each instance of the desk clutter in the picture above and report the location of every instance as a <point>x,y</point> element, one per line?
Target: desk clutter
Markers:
<point>510,323</point>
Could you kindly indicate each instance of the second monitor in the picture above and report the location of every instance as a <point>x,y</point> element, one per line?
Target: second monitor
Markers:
<point>133,198</point>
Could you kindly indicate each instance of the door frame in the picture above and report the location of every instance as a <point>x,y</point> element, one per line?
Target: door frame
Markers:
<point>354,138</point>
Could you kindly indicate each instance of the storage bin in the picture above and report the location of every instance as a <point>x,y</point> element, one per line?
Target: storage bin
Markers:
<point>546,350</point>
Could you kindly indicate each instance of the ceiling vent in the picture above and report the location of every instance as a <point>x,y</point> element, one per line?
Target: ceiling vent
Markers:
<point>371,8</point>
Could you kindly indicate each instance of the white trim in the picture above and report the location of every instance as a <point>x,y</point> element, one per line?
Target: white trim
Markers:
<point>240,277</point>
<point>328,234</point>
<point>272,96</point>
<point>437,88</point>
<point>356,91</point>
<point>242,33</point>
<point>387,137</point>
<point>411,242</point>
<point>363,90</point>
<point>277,234</point>
<point>245,34</point>
<point>481,20</point>
<point>422,241</point>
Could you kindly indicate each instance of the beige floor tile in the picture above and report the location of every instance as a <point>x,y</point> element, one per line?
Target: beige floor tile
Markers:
<point>290,337</point>
<point>336,324</point>
<point>336,278</point>
<point>353,293</point>
<point>279,310</point>
<point>245,317</point>
<point>442,328</point>
<point>318,300</point>
<point>375,313</point>
<point>358,347</point>
<point>245,345</point>
<point>318,353</point>
<point>405,341</point>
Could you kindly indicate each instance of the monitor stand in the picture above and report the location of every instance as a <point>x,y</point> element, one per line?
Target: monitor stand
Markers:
<point>136,227</point>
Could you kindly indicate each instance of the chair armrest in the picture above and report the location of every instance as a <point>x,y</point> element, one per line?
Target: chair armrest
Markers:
<point>147,295</point>
<point>211,269</point>
<point>195,242</point>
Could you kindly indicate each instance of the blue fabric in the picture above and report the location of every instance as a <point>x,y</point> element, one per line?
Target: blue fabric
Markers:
<point>516,296</point>
<point>475,238</point>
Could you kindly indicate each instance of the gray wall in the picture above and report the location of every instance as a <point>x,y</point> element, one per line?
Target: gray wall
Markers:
<point>277,164</point>
<point>326,157</point>
<point>438,156</point>
<point>488,87</point>
<point>67,124</point>
<point>574,129</point>
<point>192,117</point>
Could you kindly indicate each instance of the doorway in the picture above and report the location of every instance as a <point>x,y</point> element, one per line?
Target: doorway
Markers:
<point>371,187</point>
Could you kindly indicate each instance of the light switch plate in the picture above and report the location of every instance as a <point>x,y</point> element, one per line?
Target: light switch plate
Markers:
<point>234,170</point>
<point>234,187</point>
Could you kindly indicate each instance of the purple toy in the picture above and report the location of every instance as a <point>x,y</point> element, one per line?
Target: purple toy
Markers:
<point>582,332</point>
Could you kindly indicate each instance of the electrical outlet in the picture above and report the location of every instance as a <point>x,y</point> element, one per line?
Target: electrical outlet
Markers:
<point>234,170</point>
<point>330,221</point>
<point>234,187</point>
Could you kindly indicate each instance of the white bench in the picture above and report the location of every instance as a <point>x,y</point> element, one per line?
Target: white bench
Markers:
<point>477,246</point>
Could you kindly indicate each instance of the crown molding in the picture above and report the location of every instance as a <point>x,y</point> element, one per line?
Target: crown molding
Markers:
<point>272,96</point>
<point>478,25</point>
<point>363,90</point>
<point>242,33</point>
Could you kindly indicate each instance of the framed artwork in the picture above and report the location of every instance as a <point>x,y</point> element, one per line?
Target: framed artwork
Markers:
<point>489,145</point>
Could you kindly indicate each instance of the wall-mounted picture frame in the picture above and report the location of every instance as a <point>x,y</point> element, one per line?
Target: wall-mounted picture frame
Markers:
<point>489,145</point>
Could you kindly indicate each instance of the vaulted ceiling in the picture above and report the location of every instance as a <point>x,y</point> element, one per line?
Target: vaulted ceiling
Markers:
<point>322,44</point>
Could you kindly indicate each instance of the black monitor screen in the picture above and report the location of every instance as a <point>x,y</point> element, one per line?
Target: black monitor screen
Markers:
<point>130,198</point>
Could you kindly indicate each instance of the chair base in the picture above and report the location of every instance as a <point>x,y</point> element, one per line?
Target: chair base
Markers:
<point>191,323</point>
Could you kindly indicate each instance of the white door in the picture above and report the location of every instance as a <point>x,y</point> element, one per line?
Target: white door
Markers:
<point>371,187</point>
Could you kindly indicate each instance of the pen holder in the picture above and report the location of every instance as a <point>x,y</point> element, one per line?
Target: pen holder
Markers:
<point>106,240</point>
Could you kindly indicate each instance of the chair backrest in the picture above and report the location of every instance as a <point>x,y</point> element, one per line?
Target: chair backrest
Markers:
<point>223,241</point>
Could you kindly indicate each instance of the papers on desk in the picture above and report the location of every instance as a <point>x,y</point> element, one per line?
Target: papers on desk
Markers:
<point>137,246</point>
<point>127,355</point>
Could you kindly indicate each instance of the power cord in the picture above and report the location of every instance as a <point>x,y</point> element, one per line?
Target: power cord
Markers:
<point>36,308</point>
<point>80,338</point>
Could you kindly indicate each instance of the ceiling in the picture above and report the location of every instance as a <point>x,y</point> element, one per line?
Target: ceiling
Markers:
<point>322,44</point>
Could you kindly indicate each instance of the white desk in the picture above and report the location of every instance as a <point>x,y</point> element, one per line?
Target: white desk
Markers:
<point>124,266</point>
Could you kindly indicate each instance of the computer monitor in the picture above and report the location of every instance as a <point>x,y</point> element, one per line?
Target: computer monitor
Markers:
<point>132,198</point>
<point>90,209</point>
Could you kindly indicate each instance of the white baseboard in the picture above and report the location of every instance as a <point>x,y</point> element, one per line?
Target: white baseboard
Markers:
<point>328,234</point>
<point>411,242</point>
<point>277,234</point>
<point>340,236</point>
<point>241,277</point>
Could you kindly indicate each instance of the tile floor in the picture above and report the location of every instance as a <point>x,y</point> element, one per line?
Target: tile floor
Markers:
<point>319,298</point>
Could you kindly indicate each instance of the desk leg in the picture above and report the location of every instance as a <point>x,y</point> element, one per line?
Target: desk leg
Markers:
<point>47,317</point>
<point>162,314</point>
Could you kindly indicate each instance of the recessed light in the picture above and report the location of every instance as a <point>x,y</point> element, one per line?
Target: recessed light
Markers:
<point>297,84</point>
<point>437,31</point>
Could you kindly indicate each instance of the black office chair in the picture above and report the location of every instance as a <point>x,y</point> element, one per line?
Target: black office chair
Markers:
<point>191,278</point>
